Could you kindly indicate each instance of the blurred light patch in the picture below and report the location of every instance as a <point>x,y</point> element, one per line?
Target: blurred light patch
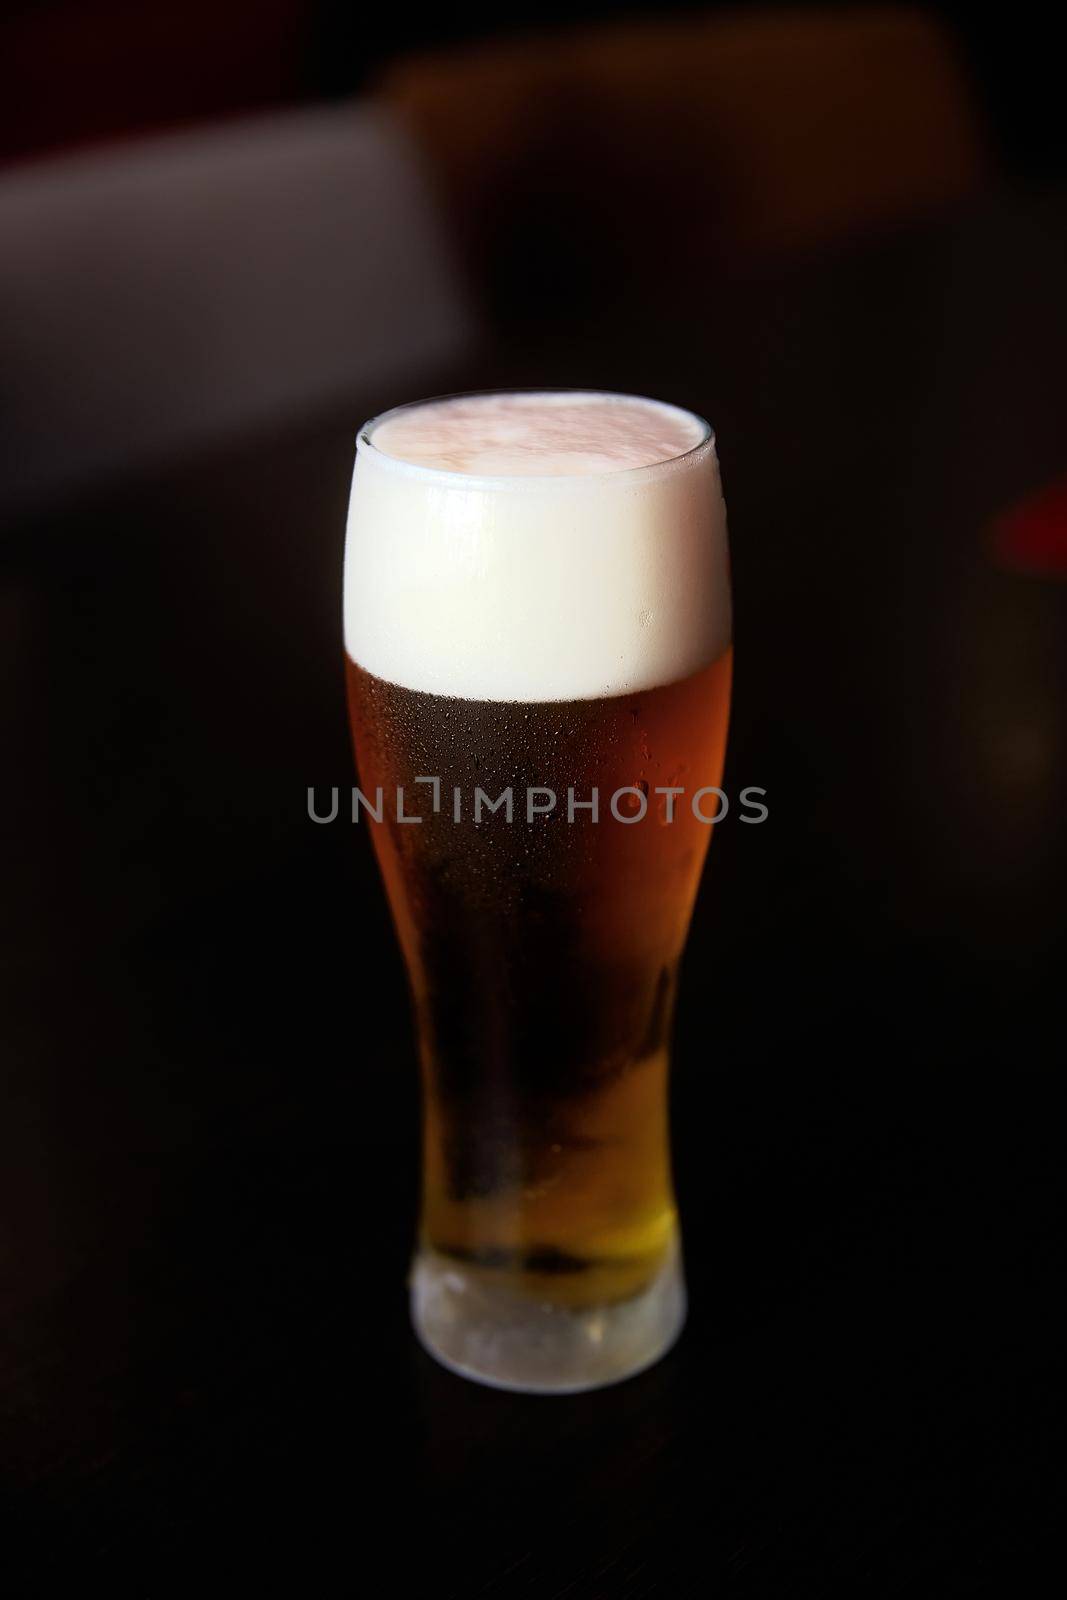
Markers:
<point>163,294</point>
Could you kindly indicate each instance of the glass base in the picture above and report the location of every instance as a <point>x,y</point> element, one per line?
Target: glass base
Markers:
<point>488,1332</point>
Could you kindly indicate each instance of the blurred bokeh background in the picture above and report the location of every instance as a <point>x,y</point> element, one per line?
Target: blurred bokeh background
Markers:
<point>82,70</point>
<point>224,214</point>
<point>230,231</point>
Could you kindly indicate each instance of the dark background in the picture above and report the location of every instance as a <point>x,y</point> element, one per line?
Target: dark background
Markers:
<point>208,1108</point>
<point>82,68</point>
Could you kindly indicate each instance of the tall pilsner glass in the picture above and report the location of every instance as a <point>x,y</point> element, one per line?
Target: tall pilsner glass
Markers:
<point>538,642</point>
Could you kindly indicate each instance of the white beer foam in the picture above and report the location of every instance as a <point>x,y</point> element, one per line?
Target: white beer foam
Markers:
<point>538,435</point>
<point>554,546</point>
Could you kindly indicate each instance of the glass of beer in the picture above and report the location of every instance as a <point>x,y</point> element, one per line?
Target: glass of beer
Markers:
<point>538,642</point>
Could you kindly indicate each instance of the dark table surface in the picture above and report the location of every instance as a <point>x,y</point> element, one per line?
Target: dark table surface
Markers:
<point>208,1116</point>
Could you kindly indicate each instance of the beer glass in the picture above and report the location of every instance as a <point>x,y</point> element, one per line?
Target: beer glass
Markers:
<point>538,648</point>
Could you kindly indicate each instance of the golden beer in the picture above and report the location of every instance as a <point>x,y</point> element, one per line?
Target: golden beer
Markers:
<point>541,856</point>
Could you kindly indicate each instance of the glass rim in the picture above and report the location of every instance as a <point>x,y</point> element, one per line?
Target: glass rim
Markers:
<point>452,477</point>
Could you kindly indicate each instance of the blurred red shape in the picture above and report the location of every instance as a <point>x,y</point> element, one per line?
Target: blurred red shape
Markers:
<point>1032,535</point>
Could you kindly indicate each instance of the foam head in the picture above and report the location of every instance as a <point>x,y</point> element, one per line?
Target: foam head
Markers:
<point>536,546</point>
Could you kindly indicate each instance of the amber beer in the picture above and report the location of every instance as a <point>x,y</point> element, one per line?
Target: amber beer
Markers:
<point>563,555</point>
